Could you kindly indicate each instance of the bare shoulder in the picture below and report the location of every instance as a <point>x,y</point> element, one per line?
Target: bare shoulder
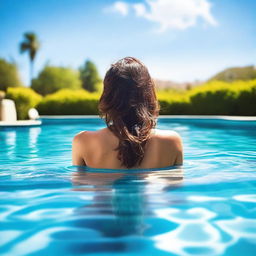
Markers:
<point>82,137</point>
<point>168,136</point>
<point>87,136</point>
<point>170,141</point>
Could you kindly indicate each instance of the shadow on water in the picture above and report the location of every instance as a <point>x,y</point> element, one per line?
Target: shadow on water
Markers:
<point>122,205</point>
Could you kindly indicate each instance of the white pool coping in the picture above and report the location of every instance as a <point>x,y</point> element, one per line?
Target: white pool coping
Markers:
<point>69,116</point>
<point>20,123</point>
<point>202,117</point>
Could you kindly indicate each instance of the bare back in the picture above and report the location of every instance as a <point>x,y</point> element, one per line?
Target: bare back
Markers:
<point>96,149</point>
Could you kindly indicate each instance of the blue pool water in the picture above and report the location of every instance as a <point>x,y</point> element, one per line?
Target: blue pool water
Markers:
<point>207,207</point>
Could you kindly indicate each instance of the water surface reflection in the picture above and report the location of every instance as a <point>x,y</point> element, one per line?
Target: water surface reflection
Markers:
<point>124,198</point>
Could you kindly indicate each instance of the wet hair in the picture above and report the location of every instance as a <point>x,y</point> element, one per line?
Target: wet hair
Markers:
<point>130,108</point>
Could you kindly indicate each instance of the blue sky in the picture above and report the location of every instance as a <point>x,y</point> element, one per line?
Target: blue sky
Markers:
<point>180,40</point>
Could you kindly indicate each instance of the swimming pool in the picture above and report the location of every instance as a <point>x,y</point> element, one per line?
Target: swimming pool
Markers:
<point>208,207</point>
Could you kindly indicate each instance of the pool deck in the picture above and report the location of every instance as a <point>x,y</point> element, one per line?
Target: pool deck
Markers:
<point>20,123</point>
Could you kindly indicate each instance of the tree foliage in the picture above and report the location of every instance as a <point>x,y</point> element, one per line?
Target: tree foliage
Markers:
<point>9,76</point>
<point>30,44</point>
<point>52,79</point>
<point>90,77</point>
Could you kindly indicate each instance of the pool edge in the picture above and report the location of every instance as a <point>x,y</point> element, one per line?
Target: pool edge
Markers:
<point>201,117</point>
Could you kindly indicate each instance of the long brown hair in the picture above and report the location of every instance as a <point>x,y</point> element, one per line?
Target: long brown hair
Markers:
<point>130,108</point>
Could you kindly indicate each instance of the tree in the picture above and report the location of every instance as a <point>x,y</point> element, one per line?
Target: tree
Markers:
<point>52,79</point>
<point>31,45</point>
<point>9,76</point>
<point>90,76</point>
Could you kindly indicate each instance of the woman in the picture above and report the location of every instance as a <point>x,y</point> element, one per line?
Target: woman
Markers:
<point>130,108</point>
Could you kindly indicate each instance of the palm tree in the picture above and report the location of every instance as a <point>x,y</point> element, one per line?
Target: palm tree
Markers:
<point>31,45</point>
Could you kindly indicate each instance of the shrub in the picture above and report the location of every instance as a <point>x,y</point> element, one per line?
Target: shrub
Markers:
<point>9,76</point>
<point>246,99</point>
<point>173,103</point>
<point>213,98</point>
<point>68,102</point>
<point>222,98</point>
<point>52,79</point>
<point>24,98</point>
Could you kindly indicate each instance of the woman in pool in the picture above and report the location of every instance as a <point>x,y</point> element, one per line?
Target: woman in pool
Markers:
<point>130,108</point>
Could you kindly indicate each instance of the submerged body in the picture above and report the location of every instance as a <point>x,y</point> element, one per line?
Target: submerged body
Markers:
<point>97,149</point>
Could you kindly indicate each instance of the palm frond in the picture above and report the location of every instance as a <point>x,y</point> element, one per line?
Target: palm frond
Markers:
<point>30,36</point>
<point>30,44</point>
<point>24,46</point>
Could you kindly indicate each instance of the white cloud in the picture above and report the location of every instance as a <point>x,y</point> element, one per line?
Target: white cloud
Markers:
<point>170,14</point>
<point>119,7</point>
<point>140,9</point>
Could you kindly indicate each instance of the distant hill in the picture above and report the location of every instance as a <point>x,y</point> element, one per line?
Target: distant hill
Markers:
<point>167,84</point>
<point>228,75</point>
<point>236,73</point>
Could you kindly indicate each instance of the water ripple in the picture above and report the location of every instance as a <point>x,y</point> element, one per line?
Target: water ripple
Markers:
<point>206,207</point>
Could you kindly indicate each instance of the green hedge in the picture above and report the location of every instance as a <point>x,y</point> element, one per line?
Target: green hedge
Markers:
<point>171,102</point>
<point>24,98</point>
<point>222,98</point>
<point>246,100</point>
<point>69,102</point>
<point>81,102</point>
<point>212,98</point>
